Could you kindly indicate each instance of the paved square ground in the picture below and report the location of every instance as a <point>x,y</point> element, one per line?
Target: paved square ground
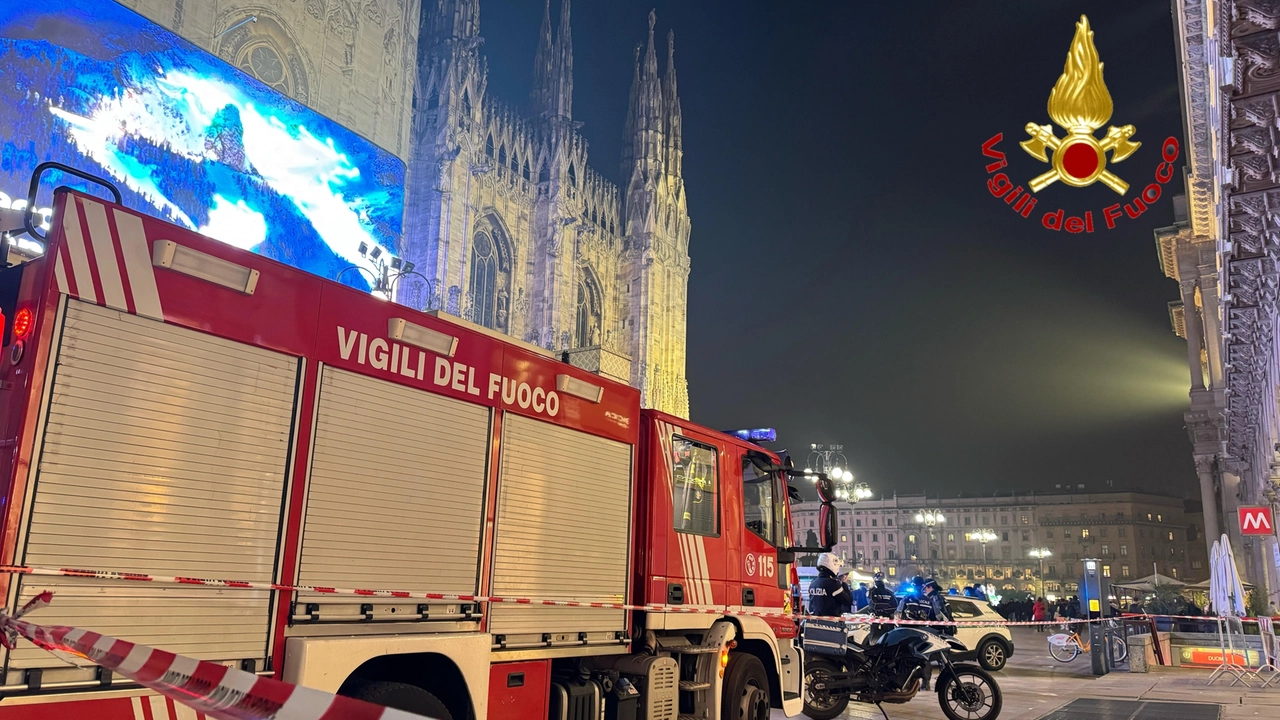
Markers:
<point>1036,686</point>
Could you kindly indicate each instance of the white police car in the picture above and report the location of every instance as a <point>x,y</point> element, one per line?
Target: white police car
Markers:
<point>991,646</point>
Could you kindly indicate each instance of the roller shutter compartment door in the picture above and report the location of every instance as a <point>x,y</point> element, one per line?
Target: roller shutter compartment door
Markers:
<point>165,452</point>
<point>564,507</point>
<point>397,488</point>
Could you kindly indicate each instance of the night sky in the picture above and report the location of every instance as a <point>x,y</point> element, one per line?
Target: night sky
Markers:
<point>853,279</point>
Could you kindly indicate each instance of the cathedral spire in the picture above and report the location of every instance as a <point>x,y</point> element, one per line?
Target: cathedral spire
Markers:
<point>562,101</point>
<point>538,98</point>
<point>643,157</point>
<point>452,20</point>
<point>552,93</point>
<point>671,104</point>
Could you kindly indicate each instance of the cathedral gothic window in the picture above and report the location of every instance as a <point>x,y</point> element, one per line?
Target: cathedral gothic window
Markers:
<point>488,146</point>
<point>526,168</point>
<point>587,317</point>
<point>573,176</point>
<point>515,164</point>
<point>484,280</point>
<point>502,155</point>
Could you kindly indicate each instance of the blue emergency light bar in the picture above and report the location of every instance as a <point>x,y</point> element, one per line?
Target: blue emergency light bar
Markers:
<point>756,435</point>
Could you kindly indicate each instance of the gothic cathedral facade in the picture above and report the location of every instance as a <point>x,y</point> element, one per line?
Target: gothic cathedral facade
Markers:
<point>512,229</point>
<point>507,224</point>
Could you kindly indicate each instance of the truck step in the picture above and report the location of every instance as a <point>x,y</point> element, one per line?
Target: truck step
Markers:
<point>689,649</point>
<point>691,685</point>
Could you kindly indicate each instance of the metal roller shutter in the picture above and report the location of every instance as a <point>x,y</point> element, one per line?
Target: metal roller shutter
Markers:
<point>397,488</point>
<point>165,452</point>
<point>564,508</point>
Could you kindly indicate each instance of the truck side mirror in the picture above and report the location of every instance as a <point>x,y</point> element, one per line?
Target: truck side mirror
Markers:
<point>827,525</point>
<point>826,489</point>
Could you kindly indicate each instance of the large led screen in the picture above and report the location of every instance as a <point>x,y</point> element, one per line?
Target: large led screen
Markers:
<point>188,138</point>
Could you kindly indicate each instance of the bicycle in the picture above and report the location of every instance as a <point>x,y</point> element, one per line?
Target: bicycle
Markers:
<point>1065,647</point>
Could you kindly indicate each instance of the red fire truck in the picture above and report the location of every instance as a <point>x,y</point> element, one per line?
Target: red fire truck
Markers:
<point>175,406</point>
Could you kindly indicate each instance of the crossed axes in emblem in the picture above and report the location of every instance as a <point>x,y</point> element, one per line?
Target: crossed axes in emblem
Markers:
<point>1117,141</point>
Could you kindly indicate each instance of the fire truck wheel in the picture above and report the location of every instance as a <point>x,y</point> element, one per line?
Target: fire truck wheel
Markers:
<point>746,689</point>
<point>401,696</point>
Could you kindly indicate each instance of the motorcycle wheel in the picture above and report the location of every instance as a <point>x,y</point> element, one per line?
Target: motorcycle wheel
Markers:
<point>821,704</point>
<point>969,693</point>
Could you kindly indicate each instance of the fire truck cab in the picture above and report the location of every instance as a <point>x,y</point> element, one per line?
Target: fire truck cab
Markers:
<point>173,406</point>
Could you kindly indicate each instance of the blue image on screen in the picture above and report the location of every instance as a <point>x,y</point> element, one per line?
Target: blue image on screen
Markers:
<point>188,138</point>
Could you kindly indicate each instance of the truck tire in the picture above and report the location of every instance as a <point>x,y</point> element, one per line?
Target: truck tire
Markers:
<point>992,655</point>
<point>400,696</point>
<point>746,689</point>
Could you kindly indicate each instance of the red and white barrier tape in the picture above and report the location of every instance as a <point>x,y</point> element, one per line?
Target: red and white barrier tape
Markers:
<point>462,598</point>
<point>216,690</point>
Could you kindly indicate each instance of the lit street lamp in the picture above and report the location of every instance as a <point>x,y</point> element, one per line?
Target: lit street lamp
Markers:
<point>1040,554</point>
<point>930,519</point>
<point>983,536</point>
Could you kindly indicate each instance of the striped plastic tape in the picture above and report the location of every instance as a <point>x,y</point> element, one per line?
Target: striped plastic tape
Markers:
<point>216,690</point>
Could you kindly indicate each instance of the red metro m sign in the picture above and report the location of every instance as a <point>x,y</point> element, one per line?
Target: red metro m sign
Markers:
<point>1256,521</point>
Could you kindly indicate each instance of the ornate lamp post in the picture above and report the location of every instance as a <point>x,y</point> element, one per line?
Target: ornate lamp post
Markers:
<point>1040,554</point>
<point>931,519</point>
<point>983,536</point>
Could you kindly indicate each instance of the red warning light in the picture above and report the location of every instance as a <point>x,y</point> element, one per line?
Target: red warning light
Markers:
<point>22,322</point>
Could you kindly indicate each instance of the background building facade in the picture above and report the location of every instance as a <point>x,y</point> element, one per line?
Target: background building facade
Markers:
<point>1222,250</point>
<point>1132,534</point>
<point>507,224</point>
<point>351,60</point>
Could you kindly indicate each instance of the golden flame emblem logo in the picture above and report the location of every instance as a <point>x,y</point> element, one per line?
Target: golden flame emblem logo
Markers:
<point>1080,104</point>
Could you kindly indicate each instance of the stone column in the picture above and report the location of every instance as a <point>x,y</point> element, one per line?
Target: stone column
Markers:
<point>1195,335</point>
<point>1209,499</point>
<point>1212,333</point>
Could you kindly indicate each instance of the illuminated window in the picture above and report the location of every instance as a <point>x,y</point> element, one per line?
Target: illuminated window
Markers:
<point>1159,518</point>
<point>1175,572</point>
<point>1084,533</point>
<point>1106,571</point>
<point>844,538</point>
<point>892,571</point>
<point>1170,536</point>
<point>951,537</point>
<point>695,487</point>
<point>1124,571</point>
<point>911,538</point>
<point>1024,520</point>
<point>1106,549</point>
<point>484,280</point>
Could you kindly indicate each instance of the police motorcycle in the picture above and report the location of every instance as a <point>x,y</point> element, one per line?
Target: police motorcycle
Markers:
<point>864,661</point>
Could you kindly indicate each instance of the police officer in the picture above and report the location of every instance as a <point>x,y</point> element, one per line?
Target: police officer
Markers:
<point>926,603</point>
<point>882,601</point>
<point>913,605</point>
<point>827,595</point>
